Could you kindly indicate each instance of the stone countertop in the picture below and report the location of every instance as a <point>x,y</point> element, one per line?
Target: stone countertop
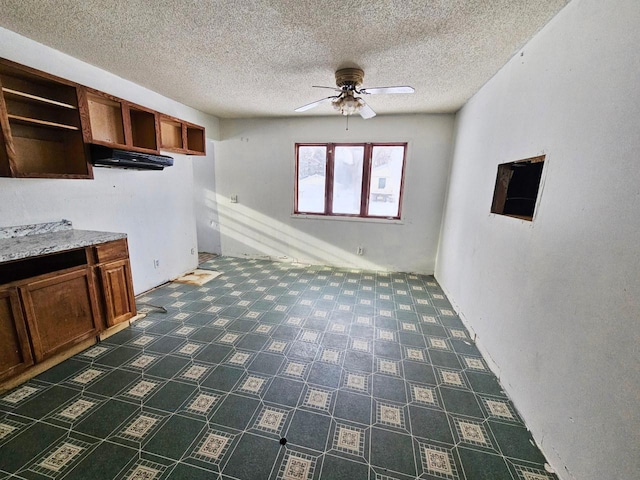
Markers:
<point>33,245</point>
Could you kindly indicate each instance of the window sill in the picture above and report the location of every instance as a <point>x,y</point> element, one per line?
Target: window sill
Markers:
<point>392,221</point>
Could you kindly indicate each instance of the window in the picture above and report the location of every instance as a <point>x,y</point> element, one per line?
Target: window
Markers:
<point>517,185</point>
<point>356,180</point>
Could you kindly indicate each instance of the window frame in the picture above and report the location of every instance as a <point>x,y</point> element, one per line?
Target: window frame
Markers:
<point>365,192</point>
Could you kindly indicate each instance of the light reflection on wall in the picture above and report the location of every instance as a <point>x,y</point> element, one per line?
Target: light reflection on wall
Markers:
<point>277,240</point>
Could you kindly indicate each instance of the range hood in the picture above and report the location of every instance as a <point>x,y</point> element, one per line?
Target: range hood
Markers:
<point>102,156</point>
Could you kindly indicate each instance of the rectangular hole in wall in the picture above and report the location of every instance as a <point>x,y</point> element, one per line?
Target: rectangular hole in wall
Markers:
<point>517,186</point>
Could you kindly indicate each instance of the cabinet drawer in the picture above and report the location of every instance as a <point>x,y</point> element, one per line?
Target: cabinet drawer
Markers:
<point>115,250</point>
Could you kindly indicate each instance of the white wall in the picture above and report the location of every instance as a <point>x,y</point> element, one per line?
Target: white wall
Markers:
<point>255,160</point>
<point>204,180</point>
<point>556,303</point>
<point>155,209</point>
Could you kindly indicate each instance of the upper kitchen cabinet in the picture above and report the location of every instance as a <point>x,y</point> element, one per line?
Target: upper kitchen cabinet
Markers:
<point>41,133</point>
<point>48,123</point>
<point>117,123</point>
<point>181,137</point>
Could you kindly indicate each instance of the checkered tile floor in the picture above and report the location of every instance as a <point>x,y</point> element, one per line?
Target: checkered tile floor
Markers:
<point>367,375</point>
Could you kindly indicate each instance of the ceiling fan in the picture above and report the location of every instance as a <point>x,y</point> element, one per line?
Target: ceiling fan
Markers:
<point>349,82</point>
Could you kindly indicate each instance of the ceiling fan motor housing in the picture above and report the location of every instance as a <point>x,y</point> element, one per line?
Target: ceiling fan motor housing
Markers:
<point>351,78</point>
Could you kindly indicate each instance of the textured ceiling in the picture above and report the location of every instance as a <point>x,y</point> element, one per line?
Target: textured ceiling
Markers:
<point>259,58</point>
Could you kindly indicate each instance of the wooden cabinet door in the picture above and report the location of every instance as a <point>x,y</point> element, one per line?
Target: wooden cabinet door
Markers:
<point>15,349</point>
<point>120,304</point>
<point>60,310</point>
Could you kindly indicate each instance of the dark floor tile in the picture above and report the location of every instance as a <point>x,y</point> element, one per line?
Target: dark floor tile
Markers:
<point>353,407</point>
<point>393,451</point>
<point>361,331</point>
<point>223,378</point>
<point>515,441</point>
<point>419,372</point>
<point>360,361</point>
<point>266,363</point>
<point>167,366</point>
<point>325,375</point>
<point>284,391</point>
<point>386,349</point>
<point>236,411</point>
<point>444,359</point>
<point>273,317</point>
<point>252,342</point>
<point>198,305</point>
<point>336,468</point>
<point>30,443</point>
<point>483,466</point>
<point>485,383</point>
<point>335,340</point>
<point>164,345</point>
<point>170,396</point>
<point>465,347</point>
<point>119,356</point>
<point>206,334</point>
<point>182,471</point>
<point>253,457</point>
<point>233,312</point>
<point>430,424</point>
<point>62,371</point>
<point>452,322</point>
<point>103,463</point>
<point>411,339</point>
<point>200,319</point>
<point>160,328</point>
<point>286,332</point>
<point>386,387</point>
<point>462,402</point>
<point>214,353</point>
<point>106,418</point>
<point>386,322</point>
<point>241,325</point>
<point>174,437</point>
<point>403,315</point>
<point>432,330</point>
<point>316,324</point>
<point>122,337</point>
<point>309,430</point>
<point>303,351</point>
<point>113,383</point>
<point>40,406</point>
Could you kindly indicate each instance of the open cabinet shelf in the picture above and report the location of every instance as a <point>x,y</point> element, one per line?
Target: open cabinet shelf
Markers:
<point>116,123</point>
<point>47,125</point>
<point>181,137</point>
<point>41,126</point>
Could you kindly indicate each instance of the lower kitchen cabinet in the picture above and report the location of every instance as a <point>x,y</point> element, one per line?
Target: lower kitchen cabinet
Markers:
<point>51,302</point>
<point>15,351</point>
<point>119,300</point>
<point>60,310</point>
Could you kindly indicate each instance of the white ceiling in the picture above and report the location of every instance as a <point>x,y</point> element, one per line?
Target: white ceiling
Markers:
<point>242,58</point>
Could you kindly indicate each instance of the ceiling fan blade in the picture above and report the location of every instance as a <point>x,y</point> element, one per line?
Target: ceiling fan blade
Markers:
<point>366,112</point>
<point>330,88</point>
<point>309,106</point>
<point>378,90</point>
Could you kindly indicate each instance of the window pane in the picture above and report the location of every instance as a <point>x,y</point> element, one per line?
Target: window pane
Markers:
<point>312,168</point>
<point>347,179</point>
<point>386,179</point>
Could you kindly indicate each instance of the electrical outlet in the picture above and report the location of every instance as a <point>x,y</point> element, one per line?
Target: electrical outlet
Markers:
<point>156,263</point>
<point>360,250</point>
<point>234,198</point>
